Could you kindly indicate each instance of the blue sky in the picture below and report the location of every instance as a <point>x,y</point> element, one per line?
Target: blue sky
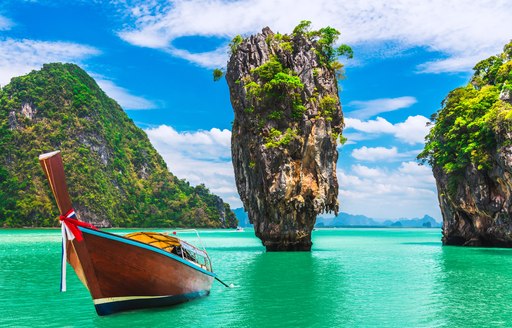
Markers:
<point>156,59</point>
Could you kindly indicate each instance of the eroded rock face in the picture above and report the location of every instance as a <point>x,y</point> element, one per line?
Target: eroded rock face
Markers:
<point>470,150</point>
<point>478,214</point>
<point>287,121</point>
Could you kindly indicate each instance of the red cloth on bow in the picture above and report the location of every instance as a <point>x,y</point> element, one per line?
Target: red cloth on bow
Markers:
<point>73,224</point>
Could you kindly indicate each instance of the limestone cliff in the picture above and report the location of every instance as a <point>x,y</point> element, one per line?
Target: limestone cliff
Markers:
<point>288,118</point>
<point>470,150</point>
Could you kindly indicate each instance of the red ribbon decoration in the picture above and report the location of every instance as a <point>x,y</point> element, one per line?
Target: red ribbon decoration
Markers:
<point>73,224</point>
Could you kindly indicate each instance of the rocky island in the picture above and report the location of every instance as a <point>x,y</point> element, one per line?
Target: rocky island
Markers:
<point>288,120</point>
<point>116,177</point>
<point>470,151</point>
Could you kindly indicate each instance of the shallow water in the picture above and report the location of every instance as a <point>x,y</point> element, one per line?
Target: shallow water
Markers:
<point>352,278</point>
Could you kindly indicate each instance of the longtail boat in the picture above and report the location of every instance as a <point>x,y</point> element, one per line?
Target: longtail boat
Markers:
<point>138,270</point>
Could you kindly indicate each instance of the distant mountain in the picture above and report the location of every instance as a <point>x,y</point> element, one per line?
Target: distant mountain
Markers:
<point>425,222</point>
<point>350,220</point>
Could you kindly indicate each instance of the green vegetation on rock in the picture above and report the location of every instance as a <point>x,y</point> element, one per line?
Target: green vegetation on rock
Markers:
<point>114,174</point>
<point>325,39</point>
<point>276,138</point>
<point>278,88</point>
<point>467,128</point>
<point>217,74</point>
<point>328,107</point>
<point>233,45</point>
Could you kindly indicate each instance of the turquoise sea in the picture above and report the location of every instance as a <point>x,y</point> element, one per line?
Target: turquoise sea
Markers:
<point>352,278</point>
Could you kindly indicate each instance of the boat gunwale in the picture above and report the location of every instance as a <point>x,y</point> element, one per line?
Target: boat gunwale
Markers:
<point>140,244</point>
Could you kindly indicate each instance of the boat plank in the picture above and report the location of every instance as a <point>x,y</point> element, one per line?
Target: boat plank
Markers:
<point>127,270</point>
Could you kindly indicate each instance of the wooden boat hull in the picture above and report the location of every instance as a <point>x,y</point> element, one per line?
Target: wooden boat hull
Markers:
<point>124,274</point>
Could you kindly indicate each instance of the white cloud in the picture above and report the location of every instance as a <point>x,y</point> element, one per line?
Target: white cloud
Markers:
<point>374,154</point>
<point>123,96</point>
<point>458,29</point>
<point>5,23</point>
<point>204,157</point>
<point>454,64</point>
<point>406,191</point>
<point>212,145</point>
<point>19,57</point>
<point>199,157</point>
<point>212,59</point>
<point>369,108</point>
<point>377,126</point>
<point>383,154</point>
<point>412,131</point>
<point>364,172</point>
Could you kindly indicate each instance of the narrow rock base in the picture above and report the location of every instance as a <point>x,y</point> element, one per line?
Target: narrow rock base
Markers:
<point>288,247</point>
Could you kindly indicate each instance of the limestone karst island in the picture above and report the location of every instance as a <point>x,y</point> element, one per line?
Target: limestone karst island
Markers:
<point>349,164</point>
<point>469,149</point>
<point>288,122</point>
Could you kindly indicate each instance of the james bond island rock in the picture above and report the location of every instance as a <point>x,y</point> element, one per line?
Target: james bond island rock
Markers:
<point>287,122</point>
<point>116,177</point>
<point>470,151</point>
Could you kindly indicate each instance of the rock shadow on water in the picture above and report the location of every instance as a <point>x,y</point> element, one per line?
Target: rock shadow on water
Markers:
<point>289,289</point>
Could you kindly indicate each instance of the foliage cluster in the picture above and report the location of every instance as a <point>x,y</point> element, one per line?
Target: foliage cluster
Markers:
<point>328,106</point>
<point>325,39</point>
<point>276,90</point>
<point>277,138</point>
<point>233,45</point>
<point>276,85</point>
<point>217,74</point>
<point>473,119</point>
<point>111,167</point>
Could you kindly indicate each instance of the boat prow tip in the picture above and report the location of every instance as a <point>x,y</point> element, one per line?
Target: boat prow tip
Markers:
<point>48,155</point>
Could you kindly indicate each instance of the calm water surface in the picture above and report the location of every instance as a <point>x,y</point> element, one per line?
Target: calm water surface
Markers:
<point>352,278</point>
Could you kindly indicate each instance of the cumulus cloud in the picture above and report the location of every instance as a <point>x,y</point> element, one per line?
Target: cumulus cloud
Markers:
<point>204,157</point>
<point>19,57</point>
<point>211,144</point>
<point>404,23</point>
<point>455,64</point>
<point>369,108</point>
<point>377,126</point>
<point>362,171</point>
<point>406,191</point>
<point>199,157</point>
<point>374,154</point>
<point>412,131</point>
<point>123,96</point>
<point>382,154</point>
